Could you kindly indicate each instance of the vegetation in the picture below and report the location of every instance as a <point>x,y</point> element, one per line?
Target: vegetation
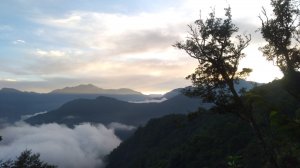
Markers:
<point>271,110</point>
<point>201,139</point>
<point>218,56</point>
<point>258,128</point>
<point>212,45</point>
<point>209,139</point>
<point>280,31</point>
<point>282,34</point>
<point>26,160</point>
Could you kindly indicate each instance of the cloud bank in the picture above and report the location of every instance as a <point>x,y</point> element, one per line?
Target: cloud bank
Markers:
<point>83,146</point>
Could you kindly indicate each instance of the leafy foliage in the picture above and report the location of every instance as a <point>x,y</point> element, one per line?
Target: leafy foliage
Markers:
<point>207,139</point>
<point>281,32</point>
<point>211,43</point>
<point>26,160</point>
<point>201,139</point>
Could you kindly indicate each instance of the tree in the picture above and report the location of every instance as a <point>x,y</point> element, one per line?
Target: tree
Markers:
<point>218,54</point>
<point>26,160</point>
<point>211,43</point>
<point>281,32</point>
<point>283,35</point>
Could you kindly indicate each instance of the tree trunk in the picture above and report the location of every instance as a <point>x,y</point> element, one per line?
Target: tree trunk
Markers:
<point>269,151</point>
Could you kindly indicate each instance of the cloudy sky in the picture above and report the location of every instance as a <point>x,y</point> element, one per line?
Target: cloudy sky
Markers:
<point>51,44</point>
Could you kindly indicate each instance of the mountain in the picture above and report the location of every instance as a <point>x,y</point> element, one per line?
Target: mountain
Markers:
<point>107,110</point>
<point>241,84</point>
<point>173,93</point>
<point>201,139</point>
<point>91,89</point>
<point>14,103</point>
<point>9,91</point>
<point>123,94</point>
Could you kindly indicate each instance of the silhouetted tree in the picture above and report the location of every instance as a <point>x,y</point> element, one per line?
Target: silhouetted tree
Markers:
<point>26,160</point>
<point>211,43</point>
<point>218,54</point>
<point>282,32</point>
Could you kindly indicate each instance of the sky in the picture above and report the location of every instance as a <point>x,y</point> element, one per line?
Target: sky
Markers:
<point>50,44</point>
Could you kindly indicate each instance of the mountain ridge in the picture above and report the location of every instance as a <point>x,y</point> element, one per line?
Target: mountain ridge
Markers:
<point>107,110</point>
<point>92,89</point>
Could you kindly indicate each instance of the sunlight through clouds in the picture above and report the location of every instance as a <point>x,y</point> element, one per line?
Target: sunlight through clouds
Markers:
<point>80,41</point>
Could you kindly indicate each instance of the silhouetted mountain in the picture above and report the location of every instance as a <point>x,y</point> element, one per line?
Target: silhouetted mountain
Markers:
<point>91,89</point>
<point>242,84</point>
<point>173,93</point>
<point>9,91</point>
<point>106,110</point>
<point>123,94</point>
<point>15,103</point>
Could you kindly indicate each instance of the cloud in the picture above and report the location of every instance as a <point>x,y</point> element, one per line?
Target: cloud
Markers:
<point>51,53</point>
<point>112,34</point>
<point>106,42</point>
<point>25,117</point>
<point>83,146</point>
<point>19,42</point>
<point>151,100</point>
<point>119,126</point>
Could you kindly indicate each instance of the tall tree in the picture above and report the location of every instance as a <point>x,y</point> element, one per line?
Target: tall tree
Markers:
<point>281,31</point>
<point>211,42</point>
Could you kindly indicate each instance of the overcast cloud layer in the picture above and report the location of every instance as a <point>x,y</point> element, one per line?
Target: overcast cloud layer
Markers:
<point>84,146</point>
<point>55,44</point>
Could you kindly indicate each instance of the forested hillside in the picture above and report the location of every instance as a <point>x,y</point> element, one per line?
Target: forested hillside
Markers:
<point>208,139</point>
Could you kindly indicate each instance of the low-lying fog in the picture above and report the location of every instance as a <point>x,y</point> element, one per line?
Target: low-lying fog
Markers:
<point>85,145</point>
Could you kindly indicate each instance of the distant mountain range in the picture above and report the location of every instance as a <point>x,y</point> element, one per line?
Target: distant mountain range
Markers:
<point>107,110</point>
<point>91,89</point>
<point>112,106</point>
<point>15,103</point>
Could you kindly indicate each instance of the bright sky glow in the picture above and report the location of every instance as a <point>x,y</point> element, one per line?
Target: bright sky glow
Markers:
<point>51,44</point>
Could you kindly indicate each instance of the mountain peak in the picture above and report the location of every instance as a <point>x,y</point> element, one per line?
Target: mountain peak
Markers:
<point>92,89</point>
<point>10,90</point>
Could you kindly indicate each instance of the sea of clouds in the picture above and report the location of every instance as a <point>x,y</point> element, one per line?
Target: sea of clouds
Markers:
<point>85,145</point>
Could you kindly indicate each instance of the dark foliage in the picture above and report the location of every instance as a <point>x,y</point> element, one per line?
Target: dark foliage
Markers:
<point>26,160</point>
<point>210,41</point>
<point>282,32</point>
<point>206,139</point>
<point>201,139</point>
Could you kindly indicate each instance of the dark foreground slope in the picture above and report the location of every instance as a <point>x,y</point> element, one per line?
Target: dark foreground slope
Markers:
<point>186,141</point>
<point>106,110</point>
<point>205,139</point>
